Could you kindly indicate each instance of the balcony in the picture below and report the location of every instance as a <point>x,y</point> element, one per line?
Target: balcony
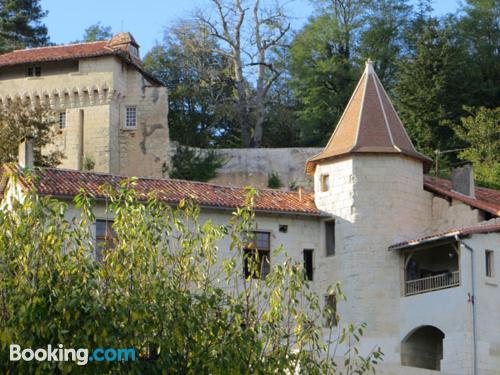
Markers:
<point>428,284</point>
<point>430,268</point>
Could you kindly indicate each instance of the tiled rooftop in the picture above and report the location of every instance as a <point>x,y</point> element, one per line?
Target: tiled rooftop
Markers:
<point>67,184</point>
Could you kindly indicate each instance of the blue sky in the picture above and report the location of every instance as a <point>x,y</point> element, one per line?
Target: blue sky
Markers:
<point>146,19</point>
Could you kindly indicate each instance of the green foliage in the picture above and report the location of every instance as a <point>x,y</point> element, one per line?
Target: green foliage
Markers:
<point>200,86</point>
<point>323,78</point>
<point>382,40</point>
<point>97,32</point>
<point>21,25</point>
<point>189,164</point>
<point>20,120</point>
<point>274,181</point>
<point>88,164</point>
<point>431,88</point>
<point>481,130</point>
<point>162,290</point>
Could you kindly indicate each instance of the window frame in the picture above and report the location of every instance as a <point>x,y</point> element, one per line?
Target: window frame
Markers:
<point>104,242</point>
<point>331,320</point>
<point>489,259</point>
<point>128,119</point>
<point>308,255</point>
<point>264,255</point>
<point>324,182</point>
<point>330,245</point>
<point>62,120</point>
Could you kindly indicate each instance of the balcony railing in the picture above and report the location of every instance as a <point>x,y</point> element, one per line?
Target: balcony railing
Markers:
<point>428,284</point>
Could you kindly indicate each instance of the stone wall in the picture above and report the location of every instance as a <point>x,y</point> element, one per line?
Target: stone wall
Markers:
<point>251,166</point>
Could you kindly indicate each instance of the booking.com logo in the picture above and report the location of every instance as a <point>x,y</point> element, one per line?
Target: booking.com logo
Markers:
<point>61,354</point>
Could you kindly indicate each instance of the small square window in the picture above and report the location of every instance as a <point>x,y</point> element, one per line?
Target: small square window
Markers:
<point>62,120</point>
<point>325,182</point>
<point>131,117</point>
<point>490,267</point>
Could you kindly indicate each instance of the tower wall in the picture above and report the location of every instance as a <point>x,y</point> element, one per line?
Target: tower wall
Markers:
<point>377,200</point>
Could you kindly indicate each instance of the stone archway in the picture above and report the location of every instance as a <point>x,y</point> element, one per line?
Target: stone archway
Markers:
<point>423,347</point>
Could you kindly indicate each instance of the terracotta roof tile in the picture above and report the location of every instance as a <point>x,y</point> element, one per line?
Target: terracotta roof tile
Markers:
<point>460,232</point>
<point>67,184</point>
<point>369,124</point>
<point>485,199</point>
<point>55,53</point>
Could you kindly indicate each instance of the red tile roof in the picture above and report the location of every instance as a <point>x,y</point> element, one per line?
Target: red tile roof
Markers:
<point>114,47</point>
<point>369,124</point>
<point>55,53</point>
<point>485,199</point>
<point>61,183</point>
<point>460,232</point>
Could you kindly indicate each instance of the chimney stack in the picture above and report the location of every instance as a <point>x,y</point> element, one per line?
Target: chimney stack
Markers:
<point>25,153</point>
<point>462,180</point>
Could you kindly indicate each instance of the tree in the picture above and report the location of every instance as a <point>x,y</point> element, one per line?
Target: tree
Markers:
<point>480,129</point>
<point>254,55</point>
<point>97,32</point>
<point>323,70</point>
<point>160,289</point>
<point>199,79</point>
<point>383,39</point>
<point>20,120</point>
<point>431,87</point>
<point>190,164</point>
<point>21,25</point>
<point>480,28</point>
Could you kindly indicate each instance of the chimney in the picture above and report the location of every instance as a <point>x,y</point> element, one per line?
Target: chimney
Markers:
<point>25,153</point>
<point>462,180</point>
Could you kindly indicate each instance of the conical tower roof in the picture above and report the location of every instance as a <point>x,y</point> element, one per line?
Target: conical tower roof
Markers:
<point>369,124</point>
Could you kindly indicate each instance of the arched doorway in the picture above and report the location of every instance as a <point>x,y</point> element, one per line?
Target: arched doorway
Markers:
<point>423,347</point>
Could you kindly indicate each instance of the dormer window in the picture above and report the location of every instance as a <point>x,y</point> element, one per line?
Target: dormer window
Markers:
<point>134,51</point>
<point>324,181</point>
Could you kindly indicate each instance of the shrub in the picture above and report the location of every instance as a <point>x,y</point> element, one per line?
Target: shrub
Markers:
<point>158,291</point>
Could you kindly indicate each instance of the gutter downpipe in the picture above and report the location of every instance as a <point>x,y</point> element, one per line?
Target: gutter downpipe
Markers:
<point>473,300</point>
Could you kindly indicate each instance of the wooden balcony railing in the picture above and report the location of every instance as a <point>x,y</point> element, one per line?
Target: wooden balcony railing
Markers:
<point>428,284</point>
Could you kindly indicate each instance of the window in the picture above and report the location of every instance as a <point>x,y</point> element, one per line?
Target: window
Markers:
<point>490,270</point>
<point>330,237</point>
<point>257,255</point>
<point>62,120</point>
<point>131,117</point>
<point>308,264</point>
<point>34,71</point>
<point>105,237</point>
<point>325,182</point>
<point>330,311</point>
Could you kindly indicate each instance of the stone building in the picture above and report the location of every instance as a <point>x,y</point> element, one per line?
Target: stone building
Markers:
<point>111,114</point>
<point>418,256</point>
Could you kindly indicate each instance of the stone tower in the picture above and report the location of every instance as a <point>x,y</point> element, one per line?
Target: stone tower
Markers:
<point>369,177</point>
<point>111,114</point>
